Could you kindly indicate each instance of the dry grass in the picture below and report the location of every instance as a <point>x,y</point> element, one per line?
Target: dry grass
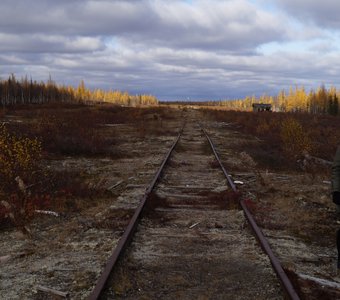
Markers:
<point>78,130</point>
<point>227,200</point>
<point>71,130</point>
<point>285,136</point>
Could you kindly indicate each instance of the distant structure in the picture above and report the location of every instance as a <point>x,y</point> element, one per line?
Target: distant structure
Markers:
<point>262,107</point>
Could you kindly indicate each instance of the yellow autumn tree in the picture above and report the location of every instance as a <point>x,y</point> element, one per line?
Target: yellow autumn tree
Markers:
<point>295,140</point>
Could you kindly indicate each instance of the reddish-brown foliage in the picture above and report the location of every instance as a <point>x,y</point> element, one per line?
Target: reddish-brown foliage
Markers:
<point>318,135</point>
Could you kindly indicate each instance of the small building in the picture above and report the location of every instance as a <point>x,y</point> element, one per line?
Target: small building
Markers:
<point>262,107</point>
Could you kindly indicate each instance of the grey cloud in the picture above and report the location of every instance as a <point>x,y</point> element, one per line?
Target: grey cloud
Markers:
<point>38,43</point>
<point>177,74</point>
<point>74,17</point>
<point>203,76</point>
<point>212,25</point>
<point>323,13</point>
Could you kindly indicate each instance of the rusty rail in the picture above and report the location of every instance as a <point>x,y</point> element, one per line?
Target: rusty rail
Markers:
<point>130,229</point>
<point>231,183</point>
<point>285,282</point>
<point>127,236</point>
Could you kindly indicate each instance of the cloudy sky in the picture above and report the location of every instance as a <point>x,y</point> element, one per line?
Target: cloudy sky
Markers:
<point>174,49</point>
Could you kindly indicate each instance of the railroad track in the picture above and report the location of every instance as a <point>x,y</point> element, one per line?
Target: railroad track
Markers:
<point>189,237</point>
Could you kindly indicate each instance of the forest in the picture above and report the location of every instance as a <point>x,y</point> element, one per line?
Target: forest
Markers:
<point>321,101</point>
<point>27,91</point>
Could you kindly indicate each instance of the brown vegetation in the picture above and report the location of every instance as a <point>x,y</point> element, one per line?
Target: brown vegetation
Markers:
<point>34,134</point>
<point>286,137</point>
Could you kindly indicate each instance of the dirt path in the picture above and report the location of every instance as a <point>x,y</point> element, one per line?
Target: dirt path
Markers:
<point>189,245</point>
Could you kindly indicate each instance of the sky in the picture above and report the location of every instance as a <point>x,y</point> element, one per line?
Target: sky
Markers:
<point>174,49</point>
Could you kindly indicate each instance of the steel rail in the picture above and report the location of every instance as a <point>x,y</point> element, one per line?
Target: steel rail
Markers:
<point>285,282</point>
<point>231,183</point>
<point>130,229</point>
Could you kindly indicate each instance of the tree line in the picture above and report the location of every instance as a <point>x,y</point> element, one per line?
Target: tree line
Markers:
<point>320,101</point>
<point>27,91</point>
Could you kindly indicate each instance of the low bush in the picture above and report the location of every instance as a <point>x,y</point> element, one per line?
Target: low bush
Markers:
<point>285,136</point>
<point>19,158</point>
<point>19,169</point>
<point>43,131</point>
<point>295,139</point>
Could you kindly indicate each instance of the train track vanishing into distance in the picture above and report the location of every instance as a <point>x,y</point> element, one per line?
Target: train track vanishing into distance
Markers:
<point>190,237</point>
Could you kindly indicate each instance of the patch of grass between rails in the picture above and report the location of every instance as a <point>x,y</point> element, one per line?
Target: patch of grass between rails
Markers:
<point>206,149</point>
<point>214,164</point>
<point>180,148</point>
<point>228,200</point>
<point>153,202</point>
<point>176,164</point>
